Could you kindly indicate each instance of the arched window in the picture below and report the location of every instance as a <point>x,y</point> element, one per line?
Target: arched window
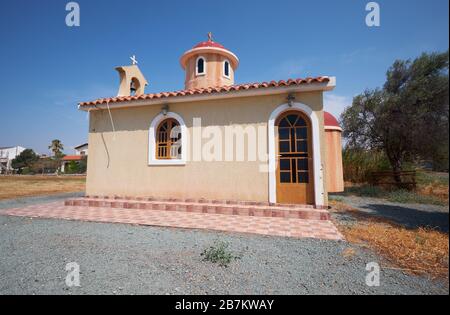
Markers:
<point>226,68</point>
<point>168,140</point>
<point>200,68</point>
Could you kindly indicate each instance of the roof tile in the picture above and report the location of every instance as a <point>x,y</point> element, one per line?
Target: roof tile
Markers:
<point>210,90</point>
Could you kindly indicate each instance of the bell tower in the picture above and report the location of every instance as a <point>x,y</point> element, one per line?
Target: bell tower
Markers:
<point>132,81</point>
<point>209,64</point>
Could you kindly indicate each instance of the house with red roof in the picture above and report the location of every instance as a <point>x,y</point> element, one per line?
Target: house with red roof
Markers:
<point>266,142</point>
<point>81,153</point>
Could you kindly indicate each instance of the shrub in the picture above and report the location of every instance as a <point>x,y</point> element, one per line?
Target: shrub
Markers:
<point>72,168</point>
<point>219,253</point>
<point>358,164</point>
<point>26,171</point>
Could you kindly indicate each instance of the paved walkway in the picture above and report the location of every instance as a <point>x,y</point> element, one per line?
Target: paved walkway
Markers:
<point>296,228</point>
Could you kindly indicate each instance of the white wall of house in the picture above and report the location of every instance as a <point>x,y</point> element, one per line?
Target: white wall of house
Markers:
<point>83,150</point>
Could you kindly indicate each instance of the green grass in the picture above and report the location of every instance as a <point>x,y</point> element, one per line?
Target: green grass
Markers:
<point>432,178</point>
<point>366,191</point>
<point>399,196</point>
<point>404,196</point>
<point>336,198</point>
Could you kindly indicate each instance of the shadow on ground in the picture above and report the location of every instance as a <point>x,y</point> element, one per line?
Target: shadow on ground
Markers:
<point>410,218</point>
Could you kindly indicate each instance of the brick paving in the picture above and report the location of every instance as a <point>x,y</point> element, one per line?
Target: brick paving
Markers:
<point>206,206</point>
<point>276,226</point>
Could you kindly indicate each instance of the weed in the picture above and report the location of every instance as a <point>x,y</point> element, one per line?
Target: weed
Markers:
<point>220,254</point>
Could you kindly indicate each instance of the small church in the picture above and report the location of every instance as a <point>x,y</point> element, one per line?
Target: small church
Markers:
<point>284,148</point>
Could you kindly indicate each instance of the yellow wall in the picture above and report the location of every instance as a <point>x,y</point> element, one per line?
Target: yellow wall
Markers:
<point>214,72</point>
<point>333,161</point>
<point>118,162</point>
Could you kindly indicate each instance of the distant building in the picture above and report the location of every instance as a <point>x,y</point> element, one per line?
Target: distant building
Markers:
<point>81,152</point>
<point>70,158</point>
<point>7,154</point>
<point>81,149</point>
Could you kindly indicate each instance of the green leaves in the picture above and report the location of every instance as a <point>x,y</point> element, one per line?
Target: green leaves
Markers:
<point>219,253</point>
<point>24,159</point>
<point>408,118</point>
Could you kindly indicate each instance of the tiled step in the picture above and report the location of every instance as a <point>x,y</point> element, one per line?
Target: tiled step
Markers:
<point>284,227</point>
<point>205,206</point>
<point>202,200</point>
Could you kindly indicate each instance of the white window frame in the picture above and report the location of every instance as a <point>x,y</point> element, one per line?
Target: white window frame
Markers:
<point>229,69</point>
<point>204,66</point>
<point>152,159</point>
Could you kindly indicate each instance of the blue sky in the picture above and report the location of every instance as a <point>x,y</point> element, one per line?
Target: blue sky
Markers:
<point>47,67</point>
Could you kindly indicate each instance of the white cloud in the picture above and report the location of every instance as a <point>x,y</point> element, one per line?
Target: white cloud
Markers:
<point>336,104</point>
<point>358,55</point>
<point>293,68</point>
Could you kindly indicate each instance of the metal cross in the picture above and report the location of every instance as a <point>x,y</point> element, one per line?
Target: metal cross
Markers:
<point>210,36</point>
<point>134,60</point>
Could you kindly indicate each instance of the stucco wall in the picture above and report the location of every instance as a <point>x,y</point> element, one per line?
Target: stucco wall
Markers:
<point>214,72</point>
<point>333,161</point>
<point>118,162</point>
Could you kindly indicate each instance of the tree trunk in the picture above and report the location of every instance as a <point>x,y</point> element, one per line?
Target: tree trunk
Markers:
<point>396,164</point>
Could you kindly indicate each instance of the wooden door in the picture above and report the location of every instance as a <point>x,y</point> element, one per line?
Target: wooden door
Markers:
<point>294,159</point>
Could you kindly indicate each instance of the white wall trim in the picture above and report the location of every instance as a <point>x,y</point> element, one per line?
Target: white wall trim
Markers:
<point>206,50</point>
<point>317,159</point>
<point>152,160</point>
<point>333,128</point>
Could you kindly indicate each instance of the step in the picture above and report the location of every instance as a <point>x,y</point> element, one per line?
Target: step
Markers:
<point>293,212</point>
<point>203,200</point>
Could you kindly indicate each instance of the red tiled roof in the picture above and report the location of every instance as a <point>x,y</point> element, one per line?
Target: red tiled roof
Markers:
<point>209,44</point>
<point>211,90</point>
<point>330,120</point>
<point>72,158</point>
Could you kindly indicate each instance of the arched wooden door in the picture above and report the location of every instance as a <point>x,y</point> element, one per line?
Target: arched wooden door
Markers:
<point>294,159</point>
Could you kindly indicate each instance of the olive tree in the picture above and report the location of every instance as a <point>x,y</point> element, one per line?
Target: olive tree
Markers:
<point>408,117</point>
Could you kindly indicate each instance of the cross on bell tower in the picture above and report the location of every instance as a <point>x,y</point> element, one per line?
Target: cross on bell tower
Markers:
<point>132,81</point>
<point>134,60</point>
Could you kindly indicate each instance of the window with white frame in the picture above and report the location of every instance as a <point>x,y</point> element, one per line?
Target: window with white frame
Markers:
<point>167,140</point>
<point>200,66</point>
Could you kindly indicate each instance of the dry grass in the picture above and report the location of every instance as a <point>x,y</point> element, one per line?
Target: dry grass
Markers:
<point>348,253</point>
<point>419,251</point>
<point>23,186</point>
<point>434,190</point>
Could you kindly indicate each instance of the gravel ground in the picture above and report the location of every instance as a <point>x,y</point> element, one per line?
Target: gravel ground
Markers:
<point>126,259</point>
<point>410,216</point>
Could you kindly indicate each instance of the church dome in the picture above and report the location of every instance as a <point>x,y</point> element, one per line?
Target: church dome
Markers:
<point>330,121</point>
<point>209,64</point>
<point>209,44</point>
